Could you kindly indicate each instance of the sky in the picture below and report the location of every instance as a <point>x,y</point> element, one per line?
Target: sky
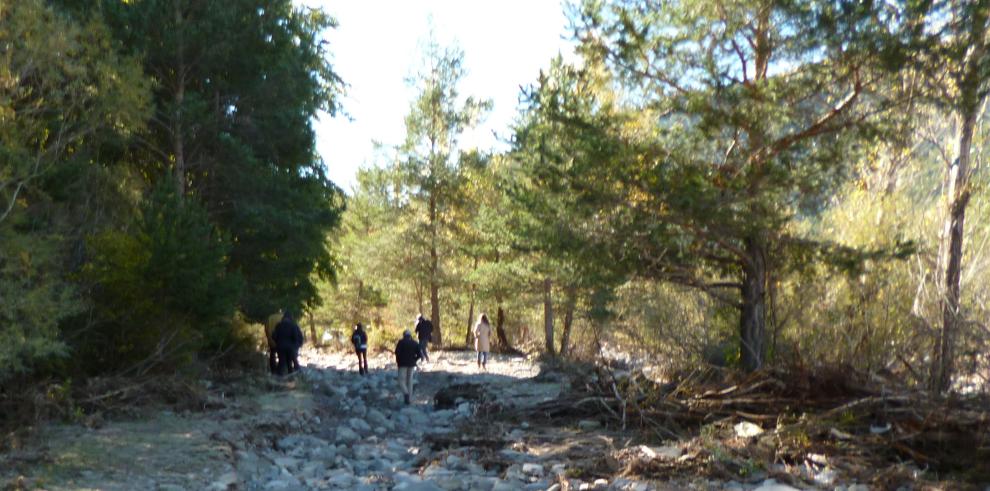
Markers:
<point>376,49</point>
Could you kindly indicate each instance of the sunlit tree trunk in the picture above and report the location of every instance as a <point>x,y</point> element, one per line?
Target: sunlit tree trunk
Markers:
<point>434,275</point>
<point>958,195</point>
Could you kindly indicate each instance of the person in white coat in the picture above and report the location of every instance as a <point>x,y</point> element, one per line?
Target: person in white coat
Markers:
<point>482,340</point>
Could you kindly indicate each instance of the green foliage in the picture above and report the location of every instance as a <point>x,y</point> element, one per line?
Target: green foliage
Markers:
<point>238,87</point>
<point>162,293</point>
<point>63,92</point>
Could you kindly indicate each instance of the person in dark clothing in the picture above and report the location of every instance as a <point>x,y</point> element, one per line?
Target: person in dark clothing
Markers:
<point>360,341</point>
<point>406,356</point>
<point>288,339</point>
<point>424,331</point>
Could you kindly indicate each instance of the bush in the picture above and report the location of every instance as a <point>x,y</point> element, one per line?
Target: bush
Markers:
<point>161,293</point>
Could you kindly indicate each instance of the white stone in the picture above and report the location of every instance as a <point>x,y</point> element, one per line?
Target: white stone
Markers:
<point>662,453</point>
<point>745,429</point>
<point>532,469</point>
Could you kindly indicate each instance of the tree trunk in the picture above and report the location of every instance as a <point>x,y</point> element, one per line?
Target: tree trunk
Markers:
<point>958,196</point>
<point>548,315</point>
<point>565,342</point>
<point>435,275</point>
<point>312,330</point>
<point>356,313</point>
<point>469,334</point>
<point>503,340</point>
<point>752,321</point>
<point>419,296</point>
<point>178,140</point>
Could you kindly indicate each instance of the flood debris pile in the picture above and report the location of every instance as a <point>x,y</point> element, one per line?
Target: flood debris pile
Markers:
<point>803,427</point>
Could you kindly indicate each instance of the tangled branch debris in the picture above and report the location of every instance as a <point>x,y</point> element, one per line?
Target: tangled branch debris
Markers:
<point>830,418</point>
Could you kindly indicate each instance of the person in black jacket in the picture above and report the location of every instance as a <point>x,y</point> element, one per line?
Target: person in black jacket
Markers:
<point>360,341</point>
<point>288,339</point>
<point>406,356</point>
<point>424,331</point>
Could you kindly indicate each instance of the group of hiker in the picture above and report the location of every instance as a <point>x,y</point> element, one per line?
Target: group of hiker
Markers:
<point>285,338</point>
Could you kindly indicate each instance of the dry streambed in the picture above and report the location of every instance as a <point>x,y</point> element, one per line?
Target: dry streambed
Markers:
<point>330,428</point>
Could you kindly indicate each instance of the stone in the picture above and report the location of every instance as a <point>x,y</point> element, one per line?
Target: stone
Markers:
<point>745,429</point>
<point>600,484</point>
<point>773,485</point>
<point>417,486</point>
<point>662,453</point>
<point>588,425</point>
<point>346,435</point>
<point>340,478</point>
<point>858,487</point>
<point>536,486</point>
<point>224,482</point>
<point>532,469</point>
<point>554,487</point>
<point>286,462</point>
<point>359,425</point>
<point>508,485</point>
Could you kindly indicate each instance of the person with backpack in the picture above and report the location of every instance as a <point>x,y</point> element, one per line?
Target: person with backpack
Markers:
<point>406,356</point>
<point>360,341</point>
<point>270,324</point>
<point>482,340</point>
<point>424,331</point>
<point>288,339</point>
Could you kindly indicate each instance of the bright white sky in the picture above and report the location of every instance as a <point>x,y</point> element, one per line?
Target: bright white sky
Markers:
<point>375,50</point>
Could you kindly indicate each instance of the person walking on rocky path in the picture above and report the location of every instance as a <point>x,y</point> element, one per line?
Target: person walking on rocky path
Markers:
<point>424,331</point>
<point>482,340</point>
<point>406,356</point>
<point>270,324</point>
<point>288,339</point>
<point>360,340</point>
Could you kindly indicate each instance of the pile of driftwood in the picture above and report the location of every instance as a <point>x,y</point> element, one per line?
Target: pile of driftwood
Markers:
<point>786,415</point>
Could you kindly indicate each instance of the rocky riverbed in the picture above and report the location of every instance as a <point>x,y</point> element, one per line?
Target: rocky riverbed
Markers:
<point>330,428</point>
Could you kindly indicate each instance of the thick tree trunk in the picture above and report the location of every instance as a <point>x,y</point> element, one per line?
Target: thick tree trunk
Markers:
<point>752,321</point>
<point>958,196</point>
<point>503,340</point>
<point>570,303</point>
<point>548,316</point>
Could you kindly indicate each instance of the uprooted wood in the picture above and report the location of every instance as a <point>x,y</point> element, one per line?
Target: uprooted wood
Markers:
<point>834,411</point>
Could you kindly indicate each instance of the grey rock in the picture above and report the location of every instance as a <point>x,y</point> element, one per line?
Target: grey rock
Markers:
<point>508,485</point>
<point>346,435</point>
<point>588,425</point>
